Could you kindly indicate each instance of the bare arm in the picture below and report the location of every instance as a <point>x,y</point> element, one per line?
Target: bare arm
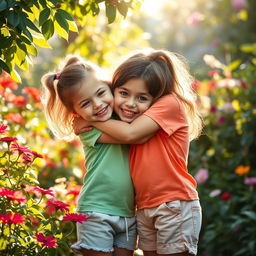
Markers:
<point>141,128</point>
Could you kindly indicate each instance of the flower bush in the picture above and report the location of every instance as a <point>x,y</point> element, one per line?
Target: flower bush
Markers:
<point>31,219</point>
<point>36,218</point>
<point>223,159</point>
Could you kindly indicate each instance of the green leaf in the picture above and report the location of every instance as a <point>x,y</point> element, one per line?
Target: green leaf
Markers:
<point>111,13</point>
<point>44,15</point>
<point>32,49</point>
<point>122,8</point>
<point>48,29</point>
<point>31,25</point>
<point>4,66</point>
<point>43,3</point>
<point>65,14</point>
<point>62,21</point>
<point>3,5</point>
<point>5,42</point>
<point>13,18</point>
<point>235,64</point>
<point>40,41</point>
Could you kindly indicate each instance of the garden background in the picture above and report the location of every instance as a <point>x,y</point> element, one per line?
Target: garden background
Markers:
<point>40,177</point>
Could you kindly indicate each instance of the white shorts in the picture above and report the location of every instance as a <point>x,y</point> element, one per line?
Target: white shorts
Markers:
<point>171,227</point>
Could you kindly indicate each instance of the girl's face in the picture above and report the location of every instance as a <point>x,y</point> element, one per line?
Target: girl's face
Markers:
<point>131,99</point>
<point>93,100</point>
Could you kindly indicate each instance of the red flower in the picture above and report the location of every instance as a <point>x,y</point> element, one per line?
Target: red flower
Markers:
<point>8,139</point>
<point>75,217</point>
<point>19,101</point>
<point>21,149</point>
<point>213,72</point>
<point>27,157</point>
<point>48,241</point>
<point>3,128</point>
<point>33,92</point>
<point>74,190</point>
<point>12,194</point>
<point>7,82</point>
<point>12,218</point>
<point>58,205</point>
<point>37,154</point>
<point>225,196</point>
<point>15,117</point>
<point>44,191</point>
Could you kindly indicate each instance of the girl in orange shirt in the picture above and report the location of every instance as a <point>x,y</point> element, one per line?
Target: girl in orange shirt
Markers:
<point>168,208</point>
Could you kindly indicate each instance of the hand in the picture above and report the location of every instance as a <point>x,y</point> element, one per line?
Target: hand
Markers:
<point>80,125</point>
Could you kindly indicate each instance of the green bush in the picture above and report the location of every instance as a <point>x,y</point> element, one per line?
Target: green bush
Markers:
<point>223,160</point>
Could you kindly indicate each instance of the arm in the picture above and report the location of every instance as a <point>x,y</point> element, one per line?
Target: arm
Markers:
<point>142,128</point>
<point>105,138</point>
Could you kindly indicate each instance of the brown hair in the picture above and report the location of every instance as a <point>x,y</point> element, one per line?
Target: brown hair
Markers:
<point>164,73</point>
<point>58,88</point>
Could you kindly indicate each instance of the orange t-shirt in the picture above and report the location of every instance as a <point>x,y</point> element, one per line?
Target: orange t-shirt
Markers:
<point>159,166</point>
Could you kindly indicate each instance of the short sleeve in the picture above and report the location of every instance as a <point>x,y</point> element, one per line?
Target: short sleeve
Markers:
<point>90,138</point>
<point>168,113</point>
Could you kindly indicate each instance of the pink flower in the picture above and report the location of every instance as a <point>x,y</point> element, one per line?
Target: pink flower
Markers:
<point>48,241</point>
<point>12,194</point>
<point>215,193</point>
<point>44,191</point>
<point>75,217</point>
<point>195,18</point>
<point>37,154</point>
<point>57,205</point>
<point>8,139</point>
<point>201,176</point>
<point>12,218</point>
<point>21,149</point>
<point>3,128</point>
<point>213,109</point>
<point>238,4</point>
<point>19,101</point>
<point>250,181</point>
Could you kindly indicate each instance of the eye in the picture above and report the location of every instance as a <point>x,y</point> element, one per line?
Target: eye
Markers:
<point>123,93</point>
<point>143,98</point>
<point>85,104</point>
<point>100,93</point>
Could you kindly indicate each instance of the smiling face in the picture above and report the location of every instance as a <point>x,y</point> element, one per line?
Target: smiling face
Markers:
<point>93,101</point>
<point>131,99</point>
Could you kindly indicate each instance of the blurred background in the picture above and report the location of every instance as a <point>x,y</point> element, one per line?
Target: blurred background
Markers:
<point>218,38</point>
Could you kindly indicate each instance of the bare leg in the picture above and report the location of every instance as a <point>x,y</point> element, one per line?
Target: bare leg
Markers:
<point>122,252</point>
<point>86,252</point>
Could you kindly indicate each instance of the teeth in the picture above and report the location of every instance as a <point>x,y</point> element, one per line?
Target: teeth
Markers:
<point>101,111</point>
<point>128,112</point>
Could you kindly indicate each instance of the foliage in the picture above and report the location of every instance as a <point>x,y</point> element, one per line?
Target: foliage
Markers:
<point>32,213</point>
<point>27,25</point>
<point>224,160</point>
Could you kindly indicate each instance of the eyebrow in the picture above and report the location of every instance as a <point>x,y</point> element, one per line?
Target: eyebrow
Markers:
<point>141,93</point>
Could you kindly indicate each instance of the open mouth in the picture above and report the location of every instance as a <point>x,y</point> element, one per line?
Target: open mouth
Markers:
<point>102,112</point>
<point>128,113</point>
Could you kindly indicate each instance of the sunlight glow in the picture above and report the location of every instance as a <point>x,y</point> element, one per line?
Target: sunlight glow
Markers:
<point>153,7</point>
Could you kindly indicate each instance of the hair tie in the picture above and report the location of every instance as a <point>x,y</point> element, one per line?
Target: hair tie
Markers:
<point>56,76</point>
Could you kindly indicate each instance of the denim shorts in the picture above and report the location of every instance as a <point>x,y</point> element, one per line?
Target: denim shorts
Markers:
<point>102,231</point>
<point>171,227</point>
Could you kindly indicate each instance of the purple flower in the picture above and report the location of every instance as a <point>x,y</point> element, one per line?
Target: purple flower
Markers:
<point>250,181</point>
<point>221,120</point>
<point>202,175</point>
<point>238,4</point>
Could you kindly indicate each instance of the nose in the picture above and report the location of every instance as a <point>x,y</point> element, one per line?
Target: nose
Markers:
<point>130,102</point>
<point>97,103</point>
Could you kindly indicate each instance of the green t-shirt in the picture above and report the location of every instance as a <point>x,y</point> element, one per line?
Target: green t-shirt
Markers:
<point>107,185</point>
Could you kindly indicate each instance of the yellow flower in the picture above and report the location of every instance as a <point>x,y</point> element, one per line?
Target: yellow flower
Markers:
<point>242,170</point>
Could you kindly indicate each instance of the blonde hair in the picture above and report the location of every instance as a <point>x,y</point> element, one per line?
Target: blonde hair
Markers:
<point>163,72</point>
<point>58,89</point>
